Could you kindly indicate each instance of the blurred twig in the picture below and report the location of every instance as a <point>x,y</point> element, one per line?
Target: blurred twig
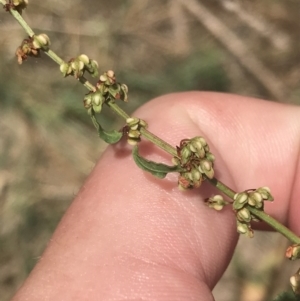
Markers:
<point>278,39</point>
<point>238,49</point>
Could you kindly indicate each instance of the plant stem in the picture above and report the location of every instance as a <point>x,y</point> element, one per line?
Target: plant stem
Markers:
<point>275,224</point>
<point>148,135</point>
<point>159,142</point>
<point>20,19</point>
<point>222,187</point>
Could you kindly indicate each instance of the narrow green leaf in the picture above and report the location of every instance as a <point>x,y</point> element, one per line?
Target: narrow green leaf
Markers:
<point>109,137</point>
<point>157,169</point>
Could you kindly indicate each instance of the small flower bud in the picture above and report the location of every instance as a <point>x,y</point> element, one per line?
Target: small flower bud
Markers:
<point>293,252</point>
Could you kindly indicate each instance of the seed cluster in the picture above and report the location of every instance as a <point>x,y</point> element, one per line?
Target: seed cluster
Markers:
<point>252,198</point>
<point>133,127</point>
<point>195,159</point>
<point>106,89</point>
<point>32,46</point>
<point>77,66</point>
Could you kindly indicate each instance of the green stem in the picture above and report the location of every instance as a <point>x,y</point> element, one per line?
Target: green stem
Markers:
<point>20,19</point>
<point>54,56</point>
<point>159,142</point>
<point>117,109</point>
<point>275,224</point>
<point>222,187</point>
<point>148,135</point>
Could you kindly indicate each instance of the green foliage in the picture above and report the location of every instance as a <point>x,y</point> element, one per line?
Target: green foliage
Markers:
<point>109,137</point>
<point>157,169</point>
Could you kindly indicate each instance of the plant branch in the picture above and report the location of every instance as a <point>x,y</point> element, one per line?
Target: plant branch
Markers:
<point>159,142</point>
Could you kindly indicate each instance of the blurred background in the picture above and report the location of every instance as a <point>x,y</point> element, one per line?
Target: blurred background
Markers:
<point>48,145</point>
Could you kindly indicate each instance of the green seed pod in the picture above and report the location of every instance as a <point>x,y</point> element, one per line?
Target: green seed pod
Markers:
<point>41,41</point>
<point>84,58</point>
<point>134,134</point>
<point>240,200</point>
<point>196,175</point>
<point>98,108</point>
<point>64,68</point>
<point>124,88</point>
<point>251,201</point>
<point>80,65</point>
<point>244,215</point>
<point>132,142</point>
<point>186,153</point>
<point>189,176</point>
<point>97,98</point>
<point>242,228</point>
<point>192,148</point>
<point>93,68</point>
<point>257,196</point>
<point>124,93</point>
<point>94,64</point>
<point>265,192</point>
<point>196,147</point>
<point>210,157</point>
<point>74,65</point>
<point>103,78</point>
<point>216,202</point>
<point>143,123</point>
<point>132,120</point>
<point>206,167</point>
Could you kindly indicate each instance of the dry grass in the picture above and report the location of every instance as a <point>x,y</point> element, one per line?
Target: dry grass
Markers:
<point>244,47</point>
